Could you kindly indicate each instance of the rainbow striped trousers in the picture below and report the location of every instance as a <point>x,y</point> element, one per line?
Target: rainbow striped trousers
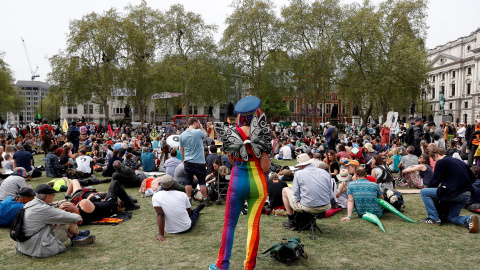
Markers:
<point>247,182</point>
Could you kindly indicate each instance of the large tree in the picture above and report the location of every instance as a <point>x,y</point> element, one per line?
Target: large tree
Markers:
<point>384,62</point>
<point>311,36</point>
<point>190,58</point>
<point>253,30</point>
<point>139,44</point>
<point>13,99</point>
<point>89,68</point>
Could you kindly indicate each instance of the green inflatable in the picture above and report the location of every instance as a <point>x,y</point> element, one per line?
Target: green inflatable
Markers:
<point>374,219</point>
<point>392,209</point>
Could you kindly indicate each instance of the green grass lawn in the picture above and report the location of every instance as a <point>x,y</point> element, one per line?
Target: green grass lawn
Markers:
<point>357,244</point>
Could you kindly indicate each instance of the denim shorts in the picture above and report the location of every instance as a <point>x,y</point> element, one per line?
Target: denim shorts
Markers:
<point>195,169</point>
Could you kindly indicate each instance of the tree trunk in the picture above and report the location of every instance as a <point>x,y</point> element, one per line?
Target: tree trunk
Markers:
<point>106,110</point>
<point>186,106</point>
<point>367,114</point>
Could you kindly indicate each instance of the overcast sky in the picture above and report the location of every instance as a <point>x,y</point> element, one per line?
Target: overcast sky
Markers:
<point>43,24</point>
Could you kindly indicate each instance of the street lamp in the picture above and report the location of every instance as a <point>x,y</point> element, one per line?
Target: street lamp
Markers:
<point>295,108</point>
<point>423,97</point>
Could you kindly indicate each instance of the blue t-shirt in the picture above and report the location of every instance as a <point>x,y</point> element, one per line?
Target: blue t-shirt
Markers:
<point>23,159</point>
<point>156,144</point>
<point>192,142</point>
<point>148,163</point>
<point>8,210</point>
<point>365,194</point>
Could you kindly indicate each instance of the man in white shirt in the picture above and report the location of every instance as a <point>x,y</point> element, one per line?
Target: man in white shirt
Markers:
<point>84,162</point>
<point>174,212</point>
<point>285,152</point>
<point>84,166</point>
<point>461,131</point>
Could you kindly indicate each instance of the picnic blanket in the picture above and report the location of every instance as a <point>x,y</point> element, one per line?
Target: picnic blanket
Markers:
<point>114,219</point>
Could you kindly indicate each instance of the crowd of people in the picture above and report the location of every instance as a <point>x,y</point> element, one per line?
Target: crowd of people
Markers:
<point>337,168</point>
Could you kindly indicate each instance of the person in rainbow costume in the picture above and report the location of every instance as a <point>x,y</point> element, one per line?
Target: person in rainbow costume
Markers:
<point>248,147</point>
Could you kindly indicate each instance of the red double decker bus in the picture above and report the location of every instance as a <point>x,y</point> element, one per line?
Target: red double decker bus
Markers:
<point>181,119</point>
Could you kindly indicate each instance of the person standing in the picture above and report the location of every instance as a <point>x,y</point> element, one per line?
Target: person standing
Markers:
<point>191,148</point>
<point>472,137</point>
<point>73,135</point>
<point>46,134</point>
<point>247,182</point>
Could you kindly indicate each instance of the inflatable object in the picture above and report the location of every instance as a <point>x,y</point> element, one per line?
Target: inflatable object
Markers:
<point>374,219</point>
<point>392,209</point>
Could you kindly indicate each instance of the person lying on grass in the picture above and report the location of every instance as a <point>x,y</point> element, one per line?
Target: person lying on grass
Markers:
<point>99,205</point>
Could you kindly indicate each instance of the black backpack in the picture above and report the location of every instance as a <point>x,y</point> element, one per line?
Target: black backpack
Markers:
<point>386,175</point>
<point>410,136</point>
<point>16,231</point>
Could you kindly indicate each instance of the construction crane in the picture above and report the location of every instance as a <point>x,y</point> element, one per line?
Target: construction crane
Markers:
<point>34,73</point>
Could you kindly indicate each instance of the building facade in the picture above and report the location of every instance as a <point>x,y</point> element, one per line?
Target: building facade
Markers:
<point>455,73</point>
<point>34,92</point>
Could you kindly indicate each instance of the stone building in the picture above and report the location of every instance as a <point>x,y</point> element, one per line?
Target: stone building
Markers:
<point>455,71</point>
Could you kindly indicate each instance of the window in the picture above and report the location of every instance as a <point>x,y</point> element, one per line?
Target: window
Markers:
<point>90,109</point>
<point>72,110</point>
<point>466,104</point>
<point>433,78</point>
<point>453,74</point>
<point>443,76</point>
<point>85,109</point>
<point>193,109</point>
<point>469,88</point>
<point>343,109</point>
<point>451,105</point>
<point>453,89</point>
<point>292,106</point>
<point>469,71</point>
<point>328,107</point>
<point>465,116</point>
<point>433,92</point>
<point>100,109</point>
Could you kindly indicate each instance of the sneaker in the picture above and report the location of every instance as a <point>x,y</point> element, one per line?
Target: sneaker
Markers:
<point>432,222</point>
<point>79,241</point>
<point>213,267</point>
<point>133,207</point>
<point>84,233</point>
<point>207,202</point>
<point>290,224</point>
<point>473,224</point>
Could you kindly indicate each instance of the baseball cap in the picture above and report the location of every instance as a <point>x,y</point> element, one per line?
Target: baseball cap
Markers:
<point>167,181</point>
<point>45,189</point>
<point>353,162</point>
<point>418,119</point>
<point>26,192</point>
<point>431,123</point>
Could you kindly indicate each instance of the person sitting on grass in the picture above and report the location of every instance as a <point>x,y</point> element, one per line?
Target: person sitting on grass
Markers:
<point>52,166</point>
<point>109,170</point>
<point>363,194</point>
<point>424,170</point>
<point>13,183</point>
<point>173,208</point>
<point>98,205</point>
<point>452,183</point>
<point>126,176</point>
<point>10,206</point>
<point>172,163</point>
<point>49,227</point>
